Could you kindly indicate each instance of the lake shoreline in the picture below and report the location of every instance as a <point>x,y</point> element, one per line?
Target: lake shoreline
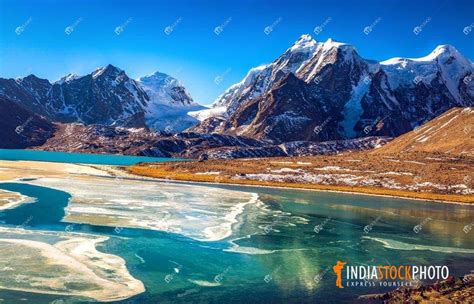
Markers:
<point>305,187</point>
<point>62,169</point>
<point>411,175</point>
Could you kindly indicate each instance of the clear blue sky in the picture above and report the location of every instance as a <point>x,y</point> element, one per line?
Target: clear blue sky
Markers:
<point>194,54</point>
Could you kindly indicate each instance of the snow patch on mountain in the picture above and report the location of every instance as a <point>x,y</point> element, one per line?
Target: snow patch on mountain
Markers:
<point>353,108</point>
<point>169,103</point>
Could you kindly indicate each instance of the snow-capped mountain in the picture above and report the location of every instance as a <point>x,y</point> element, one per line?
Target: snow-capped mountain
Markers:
<point>260,79</point>
<point>106,96</point>
<point>325,91</point>
<point>169,103</point>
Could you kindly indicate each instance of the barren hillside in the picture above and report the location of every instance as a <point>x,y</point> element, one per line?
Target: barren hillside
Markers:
<point>451,133</point>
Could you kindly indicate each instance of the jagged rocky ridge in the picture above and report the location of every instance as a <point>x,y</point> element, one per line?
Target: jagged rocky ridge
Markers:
<point>326,91</point>
<point>106,96</point>
<point>21,128</point>
<point>316,98</point>
<point>139,141</point>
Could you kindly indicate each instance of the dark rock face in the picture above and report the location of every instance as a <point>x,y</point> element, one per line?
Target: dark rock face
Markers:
<point>326,91</point>
<point>107,96</point>
<point>316,98</point>
<point>133,141</point>
<point>20,128</point>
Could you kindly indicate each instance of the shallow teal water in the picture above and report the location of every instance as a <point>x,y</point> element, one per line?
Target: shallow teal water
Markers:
<point>293,252</point>
<point>78,158</point>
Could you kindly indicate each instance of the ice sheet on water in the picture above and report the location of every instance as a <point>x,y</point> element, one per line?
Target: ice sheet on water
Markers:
<point>198,212</point>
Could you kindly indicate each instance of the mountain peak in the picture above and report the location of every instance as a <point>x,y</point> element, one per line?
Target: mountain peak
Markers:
<point>303,43</point>
<point>158,79</point>
<point>330,43</point>
<point>443,49</point>
<point>304,37</point>
<point>69,77</point>
<point>108,70</point>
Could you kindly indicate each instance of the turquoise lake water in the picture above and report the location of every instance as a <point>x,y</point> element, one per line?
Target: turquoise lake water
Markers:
<point>275,254</point>
<point>77,158</point>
